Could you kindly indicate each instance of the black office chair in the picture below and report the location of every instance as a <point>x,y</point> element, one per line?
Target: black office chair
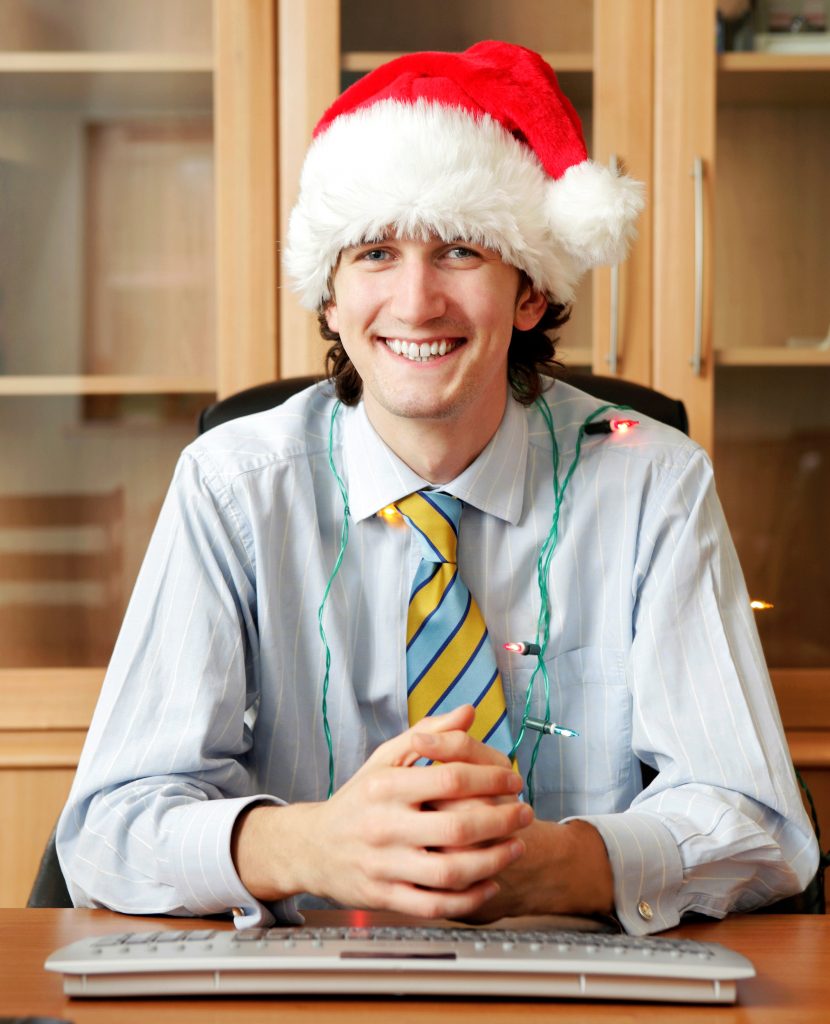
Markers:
<point>49,889</point>
<point>609,389</point>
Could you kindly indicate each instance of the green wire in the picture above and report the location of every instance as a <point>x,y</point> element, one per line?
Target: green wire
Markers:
<point>344,538</point>
<point>542,575</point>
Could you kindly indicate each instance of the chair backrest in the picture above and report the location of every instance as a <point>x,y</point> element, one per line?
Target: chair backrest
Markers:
<point>49,887</point>
<point>251,400</point>
<point>609,389</point>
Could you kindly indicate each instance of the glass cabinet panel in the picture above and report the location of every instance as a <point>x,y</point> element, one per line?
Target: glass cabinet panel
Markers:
<point>81,484</point>
<point>771,327</point>
<point>107,296</point>
<point>772,453</point>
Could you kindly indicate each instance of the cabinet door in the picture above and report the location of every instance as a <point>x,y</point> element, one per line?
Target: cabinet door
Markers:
<point>137,281</point>
<point>325,45</point>
<point>623,130</point>
<point>684,171</point>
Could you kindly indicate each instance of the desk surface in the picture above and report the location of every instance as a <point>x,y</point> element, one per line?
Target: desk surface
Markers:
<point>791,955</point>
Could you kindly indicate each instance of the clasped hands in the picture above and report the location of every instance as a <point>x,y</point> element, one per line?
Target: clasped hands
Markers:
<point>450,839</point>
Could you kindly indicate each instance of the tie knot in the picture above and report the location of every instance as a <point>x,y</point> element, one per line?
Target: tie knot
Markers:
<point>434,516</point>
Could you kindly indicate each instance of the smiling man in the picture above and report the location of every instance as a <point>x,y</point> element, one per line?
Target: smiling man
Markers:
<point>310,699</point>
<point>427,326</point>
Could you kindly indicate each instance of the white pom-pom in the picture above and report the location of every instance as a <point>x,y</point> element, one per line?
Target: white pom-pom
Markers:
<point>592,213</point>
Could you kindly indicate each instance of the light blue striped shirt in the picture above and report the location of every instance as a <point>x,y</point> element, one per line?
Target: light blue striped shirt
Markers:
<point>213,696</point>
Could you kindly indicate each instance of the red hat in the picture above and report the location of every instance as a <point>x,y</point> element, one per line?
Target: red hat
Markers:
<point>481,146</point>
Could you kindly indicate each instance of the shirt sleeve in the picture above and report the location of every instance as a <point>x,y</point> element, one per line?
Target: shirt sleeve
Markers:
<point>164,772</point>
<point>722,827</point>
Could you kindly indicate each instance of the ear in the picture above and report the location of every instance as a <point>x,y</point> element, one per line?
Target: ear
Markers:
<point>330,313</point>
<point>530,307</point>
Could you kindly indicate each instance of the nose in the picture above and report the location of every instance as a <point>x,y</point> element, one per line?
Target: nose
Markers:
<point>418,294</point>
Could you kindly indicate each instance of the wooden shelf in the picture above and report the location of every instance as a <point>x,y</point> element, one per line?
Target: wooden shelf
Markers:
<point>65,697</point>
<point>574,69</point>
<point>41,62</point>
<point>772,355</point>
<point>68,384</point>
<point>126,81</point>
<point>774,78</point>
<point>368,60</point>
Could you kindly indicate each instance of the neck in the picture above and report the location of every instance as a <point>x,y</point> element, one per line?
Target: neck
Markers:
<point>436,449</point>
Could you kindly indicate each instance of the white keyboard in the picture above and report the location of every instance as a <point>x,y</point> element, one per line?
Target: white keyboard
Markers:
<point>401,961</point>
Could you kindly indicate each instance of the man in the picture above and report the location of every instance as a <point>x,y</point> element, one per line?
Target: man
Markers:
<point>278,644</point>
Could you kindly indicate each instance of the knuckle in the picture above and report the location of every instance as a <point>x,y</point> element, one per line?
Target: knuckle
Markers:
<point>449,779</point>
<point>372,867</point>
<point>446,875</point>
<point>374,830</point>
<point>431,905</point>
<point>455,831</point>
<point>377,787</point>
<point>375,895</point>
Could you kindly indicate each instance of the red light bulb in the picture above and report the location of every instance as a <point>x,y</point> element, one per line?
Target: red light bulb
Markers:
<point>623,426</point>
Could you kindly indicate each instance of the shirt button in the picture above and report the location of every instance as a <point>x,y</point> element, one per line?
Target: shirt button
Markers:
<point>644,910</point>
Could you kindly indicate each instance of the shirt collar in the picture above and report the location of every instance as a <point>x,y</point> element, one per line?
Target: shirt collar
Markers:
<point>493,482</point>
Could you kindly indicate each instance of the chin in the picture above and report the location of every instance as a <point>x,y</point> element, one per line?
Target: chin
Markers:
<point>420,408</point>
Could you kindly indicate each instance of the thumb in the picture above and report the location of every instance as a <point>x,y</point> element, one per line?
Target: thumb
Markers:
<point>400,750</point>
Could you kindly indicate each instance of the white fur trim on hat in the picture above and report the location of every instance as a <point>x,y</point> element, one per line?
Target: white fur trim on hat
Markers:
<point>423,168</point>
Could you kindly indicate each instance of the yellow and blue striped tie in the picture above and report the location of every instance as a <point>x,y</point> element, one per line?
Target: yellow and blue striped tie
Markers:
<point>449,660</point>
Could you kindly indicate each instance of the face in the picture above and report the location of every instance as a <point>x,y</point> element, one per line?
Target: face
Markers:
<point>427,326</point>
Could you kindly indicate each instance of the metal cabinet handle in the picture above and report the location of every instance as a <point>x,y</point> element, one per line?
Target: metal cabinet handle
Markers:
<point>696,359</point>
<point>613,334</point>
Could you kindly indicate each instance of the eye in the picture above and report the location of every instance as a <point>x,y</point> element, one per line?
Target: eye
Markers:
<point>373,255</point>
<point>461,252</point>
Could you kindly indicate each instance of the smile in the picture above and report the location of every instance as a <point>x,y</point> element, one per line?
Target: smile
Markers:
<point>421,352</point>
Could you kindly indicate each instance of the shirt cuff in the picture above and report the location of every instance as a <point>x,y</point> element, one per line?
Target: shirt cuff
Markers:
<point>648,872</point>
<point>202,869</point>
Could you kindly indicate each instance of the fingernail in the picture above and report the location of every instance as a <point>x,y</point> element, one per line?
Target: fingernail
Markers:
<point>526,815</point>
<point>425,739</point>
<point>517,848</point>
<point>491,890</point>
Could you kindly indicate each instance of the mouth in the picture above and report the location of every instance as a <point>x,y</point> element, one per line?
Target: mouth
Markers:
<point>422,351</point>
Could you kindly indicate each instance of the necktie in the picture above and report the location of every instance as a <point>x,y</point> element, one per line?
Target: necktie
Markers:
<point>449,660</point>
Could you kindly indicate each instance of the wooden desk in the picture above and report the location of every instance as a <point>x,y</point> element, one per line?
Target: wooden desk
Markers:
<point>791,955</point>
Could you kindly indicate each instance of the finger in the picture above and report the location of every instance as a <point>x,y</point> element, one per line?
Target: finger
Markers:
<point>457,746</point>
<point>437,782</point>
<point>478,823</point>
<point>400,750</point>
<point>429,903</point>
<point>460,718</point>
<point>453,870</point>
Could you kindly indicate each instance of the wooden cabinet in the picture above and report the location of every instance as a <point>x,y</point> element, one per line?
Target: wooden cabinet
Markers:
<point>149,159</point>
<point>137,282</point>
<point>741,262</point>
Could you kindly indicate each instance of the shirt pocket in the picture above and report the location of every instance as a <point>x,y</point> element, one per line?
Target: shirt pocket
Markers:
<point>588,693</point>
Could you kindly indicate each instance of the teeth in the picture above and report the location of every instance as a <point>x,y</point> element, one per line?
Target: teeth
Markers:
<point>420,352</point>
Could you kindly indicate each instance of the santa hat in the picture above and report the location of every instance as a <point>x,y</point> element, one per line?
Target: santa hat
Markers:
<point>480,146</point>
